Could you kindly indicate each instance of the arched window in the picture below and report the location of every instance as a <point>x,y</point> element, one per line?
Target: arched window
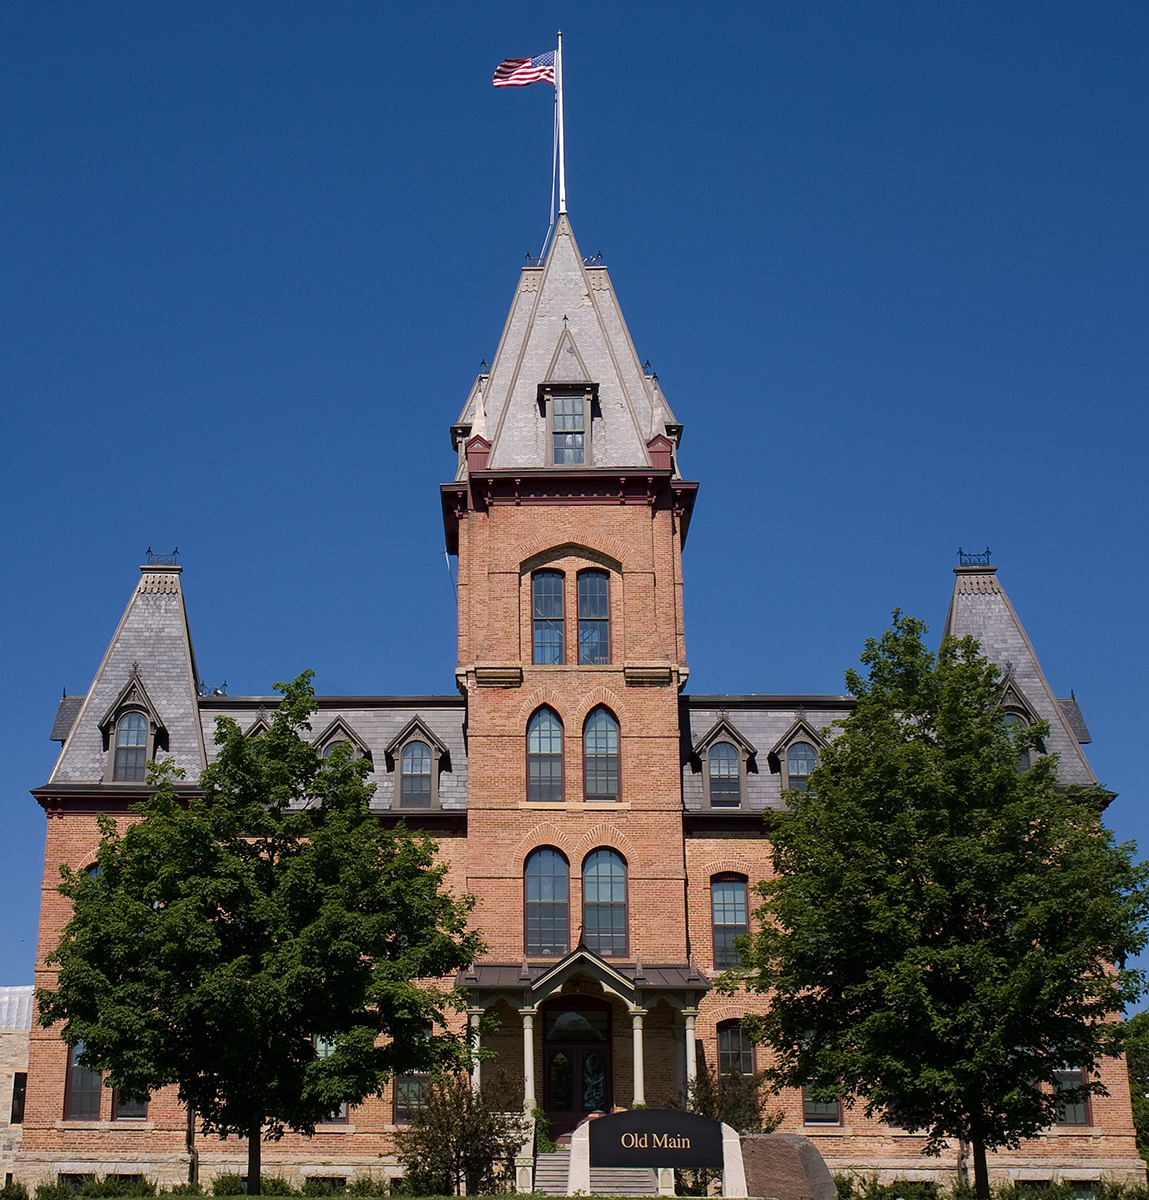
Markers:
<point>546,884</point>
<point>728,909</point>
<point>545,756</point>
<point>593,618</point>
<point>1012,721</point>
<point>547,616</point>
<point>600,756</point>
<point>131,748</point>
<point>725,777</point>
<point>735,1050</point>
<point>329,749</point>
<point>801,759</point>
<point>415,775</point>
<point>604,903</point>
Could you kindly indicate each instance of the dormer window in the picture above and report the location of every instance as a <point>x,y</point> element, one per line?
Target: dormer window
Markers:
<point>417,757</point>
<point>133,733</point>
<point>724,757</point>
<point>568,430</point>
<point>801,759</point>
<point>131,748</point>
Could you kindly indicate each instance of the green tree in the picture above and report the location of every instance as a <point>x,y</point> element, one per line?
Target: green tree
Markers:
<point>1137,1059</point>
<point>940,938</point>
<point>461,1141</point>
<point>228,933</point>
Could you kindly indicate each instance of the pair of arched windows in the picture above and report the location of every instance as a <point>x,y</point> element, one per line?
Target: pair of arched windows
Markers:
<point>600,757</point>
<point>548,617</point>
<point>546,895</point>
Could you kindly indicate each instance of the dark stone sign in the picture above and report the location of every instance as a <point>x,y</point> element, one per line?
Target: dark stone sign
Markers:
<point>655,1137</point>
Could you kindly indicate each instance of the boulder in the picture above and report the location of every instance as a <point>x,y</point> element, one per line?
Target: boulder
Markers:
<point>786,1167</point>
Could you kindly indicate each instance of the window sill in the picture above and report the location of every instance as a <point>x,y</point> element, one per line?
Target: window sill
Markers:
<point>334,1127</point>
<point>827,1130</point>
<point>574,806</point>
<point>123,1123</point>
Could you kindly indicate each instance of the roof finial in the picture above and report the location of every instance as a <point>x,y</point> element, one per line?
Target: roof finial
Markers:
<point>973,560</point>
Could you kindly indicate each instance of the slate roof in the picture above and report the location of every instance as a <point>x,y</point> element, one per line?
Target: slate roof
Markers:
<point>16,1004</point>
<point>762,721</point>
<point>565,326</point>
<point>152,638</point>
<point>375,721</point>
<point>66,714</point>
<point>979,606</point>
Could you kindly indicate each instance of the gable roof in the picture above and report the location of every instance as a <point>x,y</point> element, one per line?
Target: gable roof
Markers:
<point>565,327</point>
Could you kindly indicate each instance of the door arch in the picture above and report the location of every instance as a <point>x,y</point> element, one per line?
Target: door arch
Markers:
<point>577,1075</point>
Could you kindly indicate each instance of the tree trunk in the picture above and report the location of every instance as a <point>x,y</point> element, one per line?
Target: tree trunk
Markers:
<point>253,1166</point>
<point>193,1153</point>
<point>980,1171</point>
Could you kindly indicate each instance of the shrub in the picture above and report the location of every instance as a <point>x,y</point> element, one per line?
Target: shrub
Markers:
<point>226,1185</point>
<point>14,1191</point>
<point>276,1185</point>
<point>185,1189</point>
<point>60,1190</point>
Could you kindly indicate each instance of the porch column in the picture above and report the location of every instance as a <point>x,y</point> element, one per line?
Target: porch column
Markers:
<point>529,1101</point>
<point>689,1015</point>
<point>475,1015</point>
<point>636,1015</point>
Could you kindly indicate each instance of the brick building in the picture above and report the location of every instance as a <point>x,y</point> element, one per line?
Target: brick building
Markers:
<point>608,821</point>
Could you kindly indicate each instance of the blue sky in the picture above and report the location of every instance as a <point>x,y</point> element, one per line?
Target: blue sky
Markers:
<point>890,261</point>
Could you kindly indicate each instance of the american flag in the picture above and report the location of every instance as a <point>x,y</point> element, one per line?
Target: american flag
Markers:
<point>517,72</point>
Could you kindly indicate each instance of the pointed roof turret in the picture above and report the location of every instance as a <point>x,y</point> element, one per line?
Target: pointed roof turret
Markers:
<point>566,333</point>
<point>979,606</point>
<point>149,667</point>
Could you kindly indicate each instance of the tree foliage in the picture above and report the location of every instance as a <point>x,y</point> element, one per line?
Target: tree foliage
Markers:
<point>940,937</point>
<point>736,1100</point>
<point>462,1142</point>
<point>225,932</point>
<point>1137,1058</point>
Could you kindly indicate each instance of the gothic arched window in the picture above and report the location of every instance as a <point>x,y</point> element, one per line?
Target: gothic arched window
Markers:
<point>545,756</point>
<point>801,759</point>
<point>131,748</point>
<point>600,756</point>
<point>546,904</point>
<point>415,776</point>
<point>724,776</point>
<point>604,903</point>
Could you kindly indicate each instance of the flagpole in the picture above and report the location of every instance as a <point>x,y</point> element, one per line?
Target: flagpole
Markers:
<point>562,145</point>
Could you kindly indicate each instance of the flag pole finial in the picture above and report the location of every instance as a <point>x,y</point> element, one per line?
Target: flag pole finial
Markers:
<point>559,111</point>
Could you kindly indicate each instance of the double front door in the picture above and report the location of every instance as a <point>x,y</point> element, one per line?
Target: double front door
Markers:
<point>576,1061</point>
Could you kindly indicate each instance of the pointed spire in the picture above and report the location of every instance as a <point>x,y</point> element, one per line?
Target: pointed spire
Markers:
<point>149,666</point>
<point>980,607</point>
<point>565,328</point>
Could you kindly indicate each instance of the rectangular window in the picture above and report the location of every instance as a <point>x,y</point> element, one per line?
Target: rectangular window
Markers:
<point>1071,1112</point>
<point>82,1089</point>
<point>735,1050</point>
<point>568,429</point>
<point>19,1093</point>
<point>410,1092</point>
<point>547,615</point>
<point>593,618</point>
<point>124,1109</point>
<point>820,1112</point>
<point>728,907</point>
<point>323,1048</point>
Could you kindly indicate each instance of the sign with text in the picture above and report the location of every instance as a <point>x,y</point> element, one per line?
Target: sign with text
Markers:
<point>655,1137</point>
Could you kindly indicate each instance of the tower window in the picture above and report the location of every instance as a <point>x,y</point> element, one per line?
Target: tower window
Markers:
<point>801,759</point>
<point>1071,1112</point>
<point>545,756</point>
<point>724,776</point>
<point>415,776</point>
<point>19,1093</point>
<point>546,883</point>
<point>547,612</point>
<point>600,756</point>
<point>568,430</point>
<point>728,909</point>
<point>604,903</point>
<point>593,618</point>
<point>131,748</point>
<point>735,1050</point>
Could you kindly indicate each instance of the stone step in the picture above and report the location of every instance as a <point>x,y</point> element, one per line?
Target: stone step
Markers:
<point>623,1181</point>
<point>552,1171</point>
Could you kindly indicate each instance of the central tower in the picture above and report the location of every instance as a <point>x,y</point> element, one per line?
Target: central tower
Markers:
<point>568,516</point>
